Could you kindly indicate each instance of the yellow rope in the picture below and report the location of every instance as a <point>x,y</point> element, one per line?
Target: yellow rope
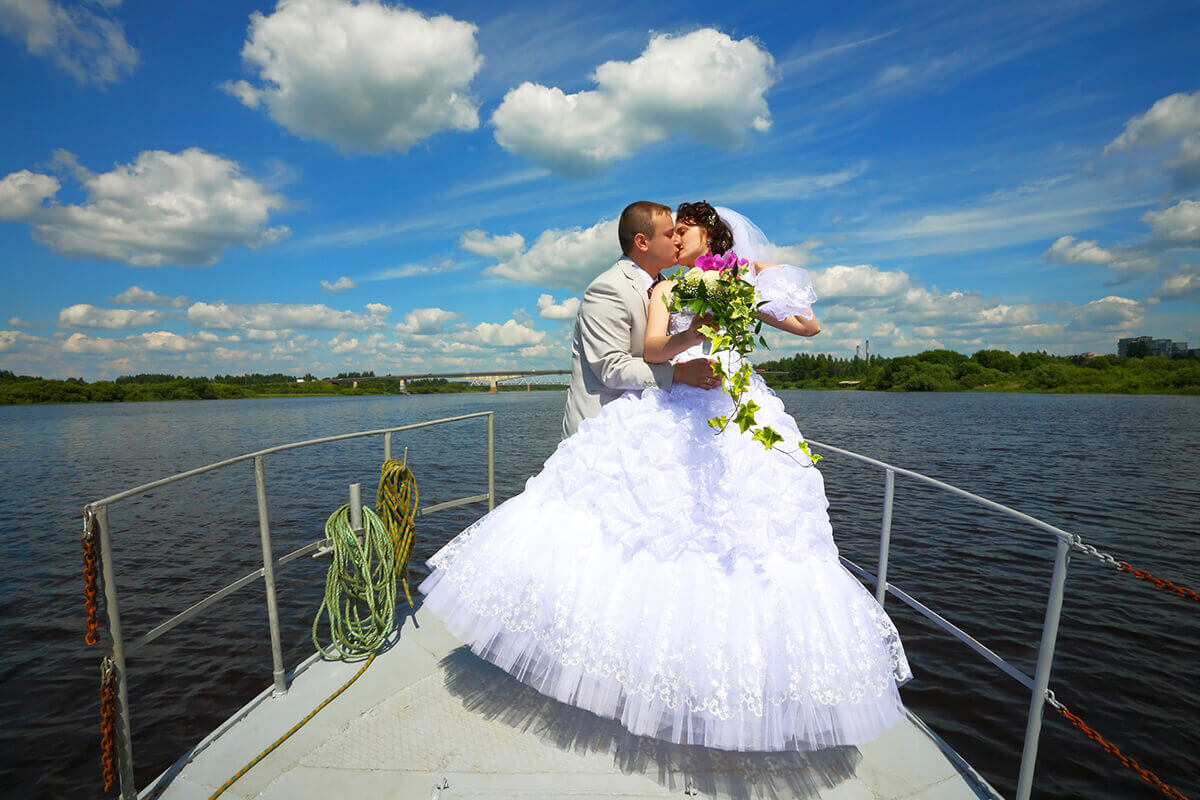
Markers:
<point>293,729</point>
<point>397,508</point>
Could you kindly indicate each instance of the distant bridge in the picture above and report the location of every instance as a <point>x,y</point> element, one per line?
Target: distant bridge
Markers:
<point>493,379</point>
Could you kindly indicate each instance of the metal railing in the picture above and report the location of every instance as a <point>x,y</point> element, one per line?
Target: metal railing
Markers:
<point>1039,683</point>
<point>120,649</point>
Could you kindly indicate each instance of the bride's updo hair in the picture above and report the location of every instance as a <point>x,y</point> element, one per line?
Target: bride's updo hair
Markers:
<point>720,238</point>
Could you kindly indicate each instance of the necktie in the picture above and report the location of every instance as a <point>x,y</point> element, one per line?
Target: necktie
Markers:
<point>657,280</point>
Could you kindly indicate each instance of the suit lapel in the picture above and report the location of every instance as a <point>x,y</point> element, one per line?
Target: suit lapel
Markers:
<point>634,274</point>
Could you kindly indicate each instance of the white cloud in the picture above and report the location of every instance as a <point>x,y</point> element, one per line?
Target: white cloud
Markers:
<point>340,285</point>
<point>84,315</point>
<point>510,334</point>
<point>774,187</point>
<point>363,76</point>
<point>412,271</point>
<point>1173,120</point>
<point>1069,250</point>
<point>547,308</point>
<point>799,255</point>
<point>1181,285</point>
<point>182,208</point>
<point>257,317</point>
<point>163,341</point>
<point>17,322</point>
<point>1108,314</point>
<point>80,343</point>
<point>136,295</point>
<point>1184,169</point>
<point>1172,117</point>
<point>497,247</point>
<point>22,193</point>
<point>424,321</point>
<point>1178,225</point>
<point>841,282</point>
<point>153,341</point>
<point>568,259</point>
<point>702,83</point>
<point>19,341</point>
<point>90,48</point>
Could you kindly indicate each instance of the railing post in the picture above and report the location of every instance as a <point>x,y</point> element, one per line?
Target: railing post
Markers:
<point>356,521</point>
<point>264,530</point>
<point>491,460</point>
<point>1041,679</point>
<point>387,446</point>
<point>885,537</point>
<point>113,609</point>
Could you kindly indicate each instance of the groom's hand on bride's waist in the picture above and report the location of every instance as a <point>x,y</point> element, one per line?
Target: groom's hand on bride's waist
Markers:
<point>697,372</point>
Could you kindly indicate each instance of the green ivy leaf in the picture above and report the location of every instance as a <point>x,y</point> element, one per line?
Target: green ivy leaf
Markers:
<point>813,457</point>
<point>767,436</point>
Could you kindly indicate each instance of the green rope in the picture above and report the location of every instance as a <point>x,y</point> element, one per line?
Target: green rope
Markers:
<point>360,588</point>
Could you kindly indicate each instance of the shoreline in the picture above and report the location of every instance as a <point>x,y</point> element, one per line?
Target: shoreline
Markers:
<point>1183,392</point>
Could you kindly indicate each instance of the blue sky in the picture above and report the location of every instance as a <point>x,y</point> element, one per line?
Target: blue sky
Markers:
<point>321,185</point>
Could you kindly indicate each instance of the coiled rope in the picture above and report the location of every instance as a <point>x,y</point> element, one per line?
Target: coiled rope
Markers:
<point>360,587</point>
<point>397,507</point>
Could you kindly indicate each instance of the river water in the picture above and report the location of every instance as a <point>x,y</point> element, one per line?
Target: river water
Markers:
<point>1122,471</point>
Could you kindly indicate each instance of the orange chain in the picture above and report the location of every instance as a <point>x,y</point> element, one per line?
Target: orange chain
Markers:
<point>1161,583</point>
<point>1146,775</point>
<point>108,723</point>
<point>89,575</point>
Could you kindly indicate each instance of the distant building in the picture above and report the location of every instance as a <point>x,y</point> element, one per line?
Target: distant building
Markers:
<point>1153,347</point>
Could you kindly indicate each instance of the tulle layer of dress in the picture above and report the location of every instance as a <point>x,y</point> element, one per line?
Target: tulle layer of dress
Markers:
<point>681,582</point>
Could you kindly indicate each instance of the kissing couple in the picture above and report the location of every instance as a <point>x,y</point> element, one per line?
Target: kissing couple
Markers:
<point>681,581</point>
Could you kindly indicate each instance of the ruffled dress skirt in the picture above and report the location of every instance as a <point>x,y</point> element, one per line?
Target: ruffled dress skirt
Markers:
<point>681,582</point>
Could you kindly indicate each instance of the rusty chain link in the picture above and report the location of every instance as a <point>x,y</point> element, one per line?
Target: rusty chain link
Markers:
<point>1110,748</point>
<point>1162,583</point>
<point>89,575</point>
<point>108,722</point>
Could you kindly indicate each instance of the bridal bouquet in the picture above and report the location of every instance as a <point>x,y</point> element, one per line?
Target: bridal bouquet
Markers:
<point>714,288</point>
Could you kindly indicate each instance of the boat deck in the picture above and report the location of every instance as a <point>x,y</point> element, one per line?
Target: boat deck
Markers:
<point>430,720</point>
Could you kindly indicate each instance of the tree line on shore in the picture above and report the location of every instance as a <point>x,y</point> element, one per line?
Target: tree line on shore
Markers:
<point>930,371</point>
<point>988,370</point>
<point>26,389</point>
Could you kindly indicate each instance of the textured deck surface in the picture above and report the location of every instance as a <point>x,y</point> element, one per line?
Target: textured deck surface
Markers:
<point>430,720</point>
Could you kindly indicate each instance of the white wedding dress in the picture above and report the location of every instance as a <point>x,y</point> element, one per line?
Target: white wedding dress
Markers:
<point>682,582</point>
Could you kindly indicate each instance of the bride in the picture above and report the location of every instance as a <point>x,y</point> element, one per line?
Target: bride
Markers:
<point>680,581</point>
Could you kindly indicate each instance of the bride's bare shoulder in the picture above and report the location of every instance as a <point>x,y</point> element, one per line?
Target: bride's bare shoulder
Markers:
<point>664,287</point>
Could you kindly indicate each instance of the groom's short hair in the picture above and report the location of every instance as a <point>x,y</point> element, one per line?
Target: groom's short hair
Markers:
<point>638,218</point>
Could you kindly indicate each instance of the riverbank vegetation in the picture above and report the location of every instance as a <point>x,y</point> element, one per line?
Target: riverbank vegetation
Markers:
<point>931,371</point>
<point>25,389</point>
<point>989,371</point>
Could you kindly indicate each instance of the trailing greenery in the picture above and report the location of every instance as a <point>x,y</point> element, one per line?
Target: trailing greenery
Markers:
<point>989,371</point>
<point>26,389</point>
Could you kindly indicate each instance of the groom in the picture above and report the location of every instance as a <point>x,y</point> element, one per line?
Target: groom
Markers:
<point>606,351</point>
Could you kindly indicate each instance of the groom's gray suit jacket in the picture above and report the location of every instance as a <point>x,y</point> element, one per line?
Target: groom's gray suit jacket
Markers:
<point>606,351</point>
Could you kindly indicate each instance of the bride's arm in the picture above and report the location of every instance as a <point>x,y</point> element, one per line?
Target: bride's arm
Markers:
<point>796,324</point>
<point>658,346</point>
